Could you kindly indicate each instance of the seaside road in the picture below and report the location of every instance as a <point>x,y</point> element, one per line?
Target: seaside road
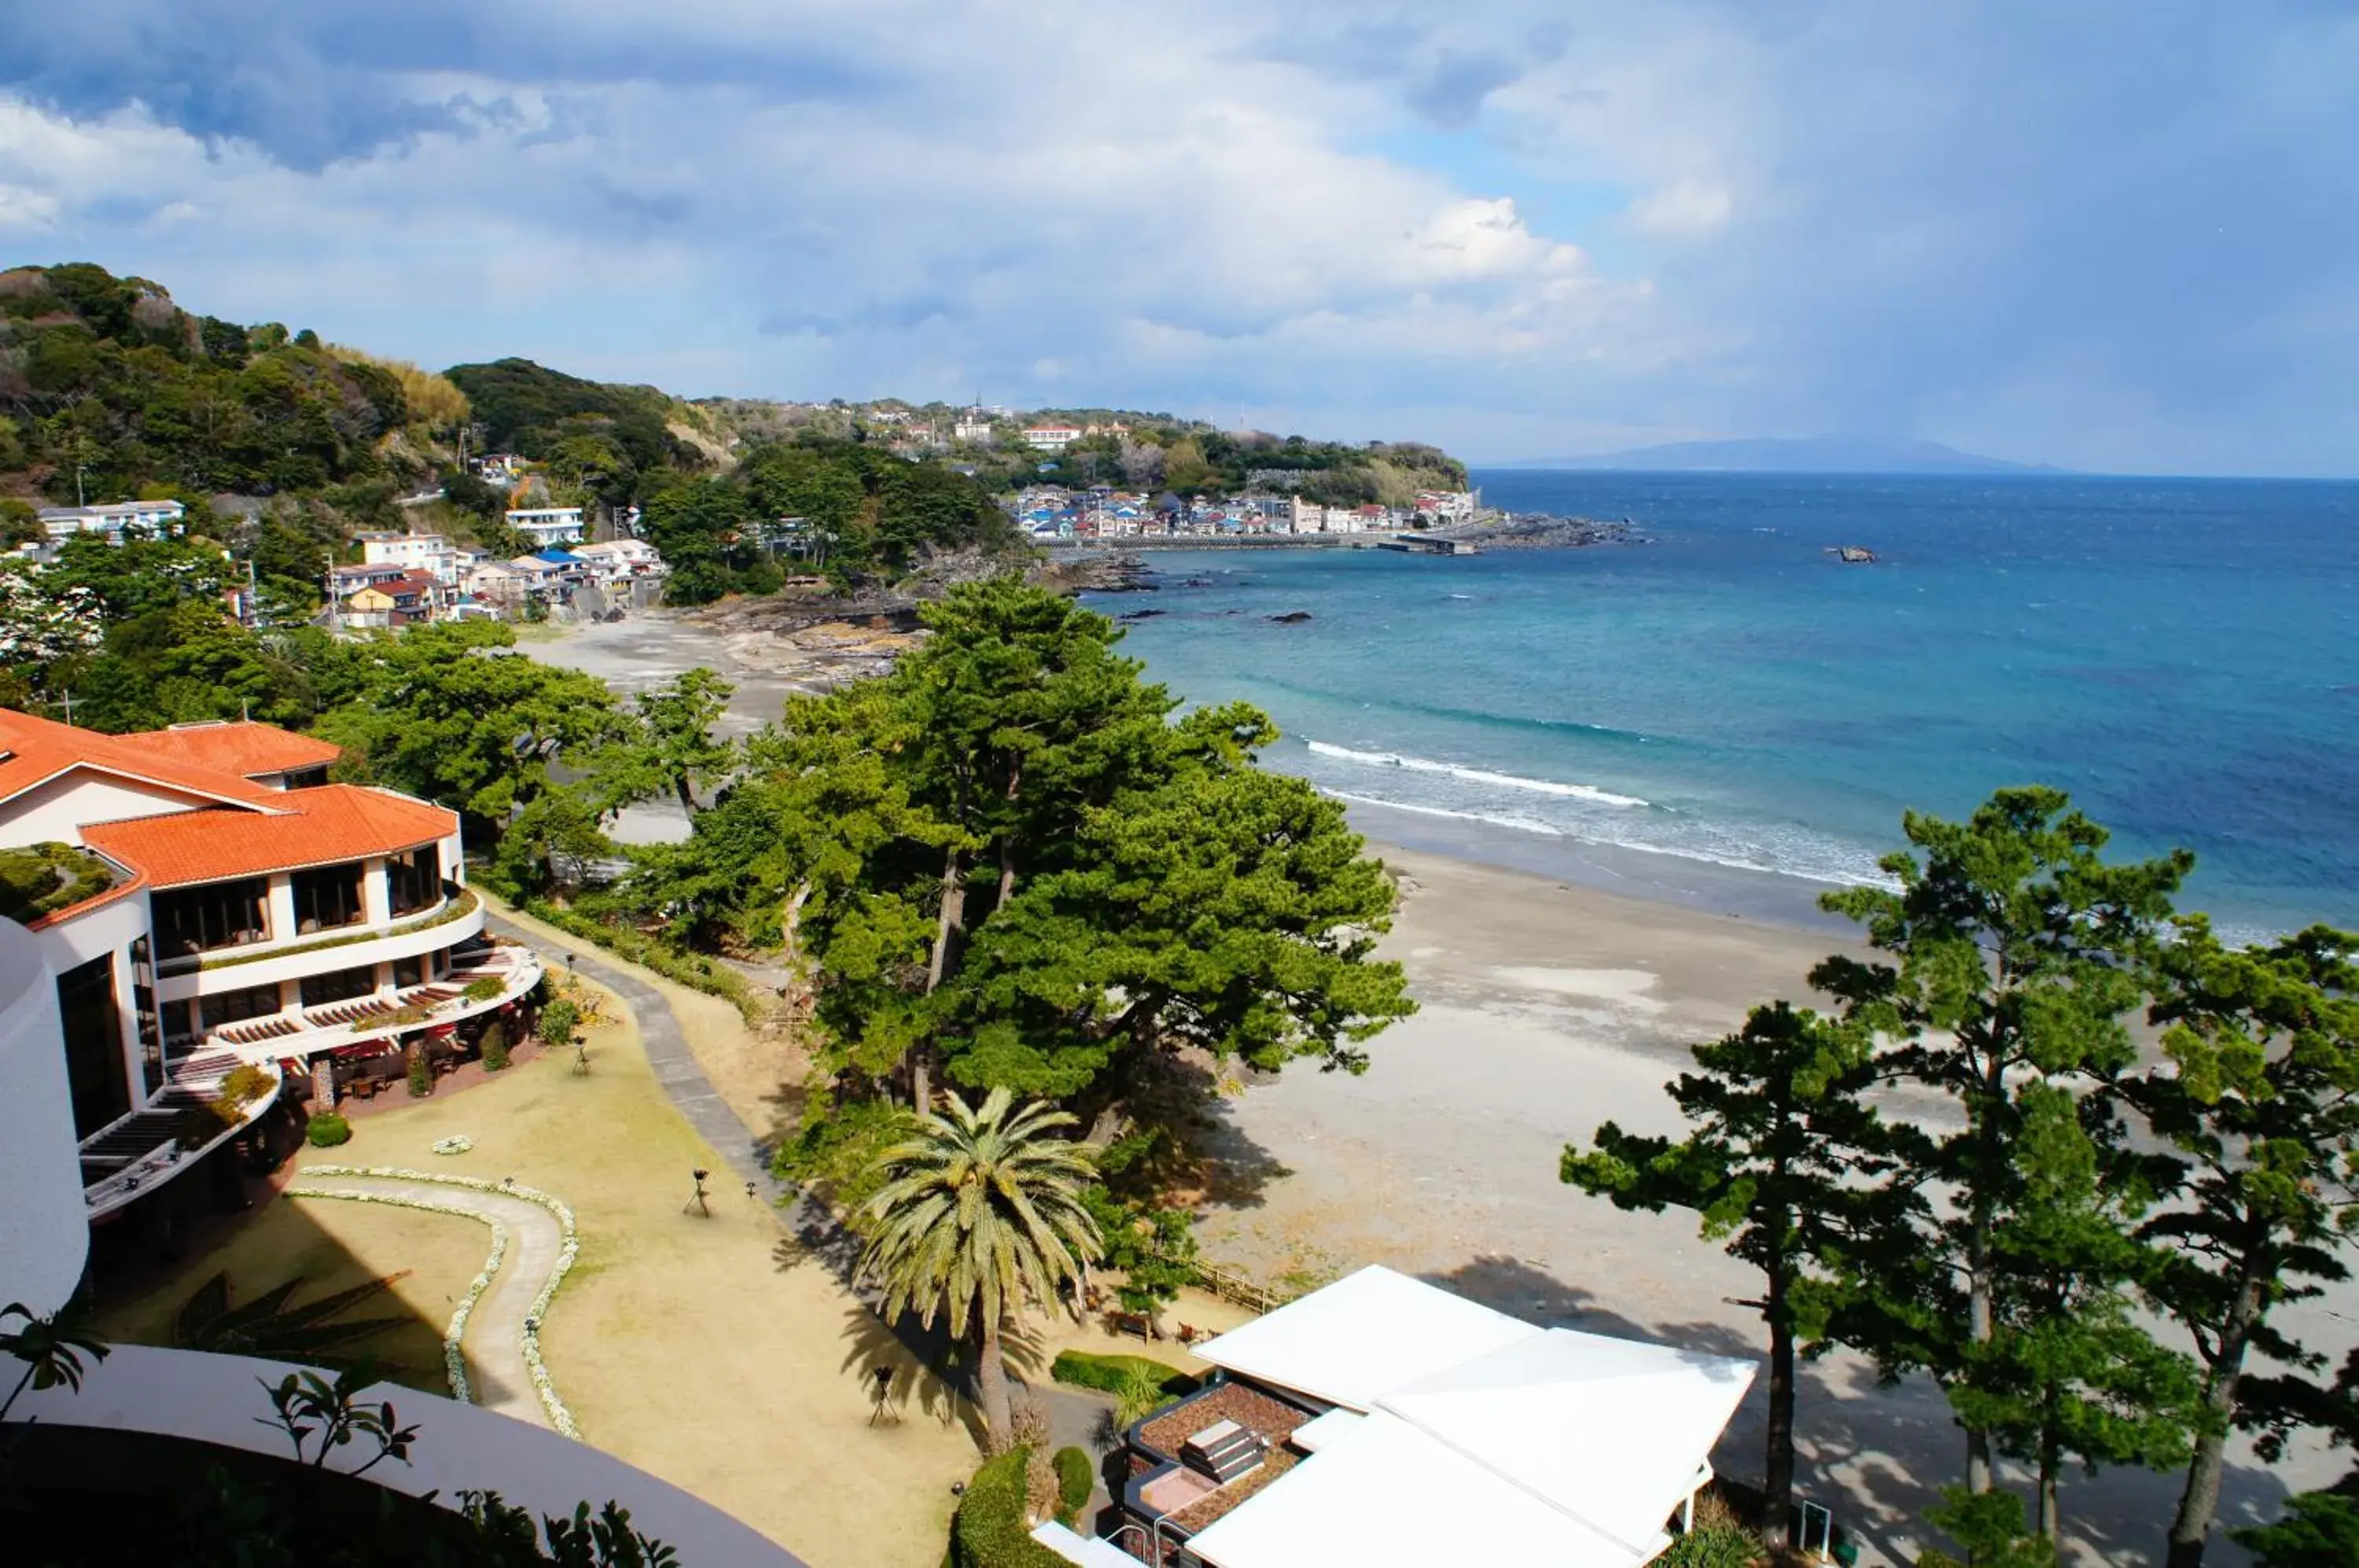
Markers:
<point>494,1339</point>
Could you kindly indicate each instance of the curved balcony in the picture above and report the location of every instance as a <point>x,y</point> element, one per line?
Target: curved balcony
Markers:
<point>496,975</point>
<point>137,1153</point>
<point>456,920</point>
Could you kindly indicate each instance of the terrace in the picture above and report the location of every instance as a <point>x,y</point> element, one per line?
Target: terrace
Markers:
<point>184,1123</point>
<point>307,1032</point>
<point>1196,1460</point>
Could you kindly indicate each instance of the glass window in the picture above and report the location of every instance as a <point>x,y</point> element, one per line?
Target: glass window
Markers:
<point>414,880</point>
<point>328,897</point>
<point>338,985</point>
<point>95,1068</point>
<point>305,778</point>
<point>236,1007</point>
<point>408,972</point>
<point>219,914</point>
<point>143,1006</point>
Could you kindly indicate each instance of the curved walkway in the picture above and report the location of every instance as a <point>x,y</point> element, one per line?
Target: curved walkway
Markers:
<point>819,1232</point>
<point>494,1339</point>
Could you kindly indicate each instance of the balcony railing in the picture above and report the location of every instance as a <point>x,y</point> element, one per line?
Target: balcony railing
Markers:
<point>460,903</point>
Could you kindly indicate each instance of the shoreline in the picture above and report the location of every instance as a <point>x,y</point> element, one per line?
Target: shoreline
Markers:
<point>767,668</point>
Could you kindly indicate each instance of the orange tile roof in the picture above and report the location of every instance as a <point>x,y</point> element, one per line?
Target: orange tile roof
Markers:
<point>239,746</point>
<point>35,750</point>
<point>332,822</point>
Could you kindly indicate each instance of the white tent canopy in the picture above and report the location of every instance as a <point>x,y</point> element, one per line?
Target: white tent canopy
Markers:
<point>1485,1438</point>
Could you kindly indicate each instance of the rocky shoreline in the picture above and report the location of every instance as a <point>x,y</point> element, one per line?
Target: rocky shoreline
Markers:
<point>1534,530</point>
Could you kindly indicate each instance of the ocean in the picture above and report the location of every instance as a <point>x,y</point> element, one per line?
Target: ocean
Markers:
<point>1727,716</point>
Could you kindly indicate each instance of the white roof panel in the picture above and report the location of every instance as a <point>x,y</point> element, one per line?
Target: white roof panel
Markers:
<point>1387,1496</point>
<point>1611,1431</point>
<point>1363,1335</point>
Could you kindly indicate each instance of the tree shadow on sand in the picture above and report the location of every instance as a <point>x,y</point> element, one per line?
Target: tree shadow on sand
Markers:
<point>922,1375</point>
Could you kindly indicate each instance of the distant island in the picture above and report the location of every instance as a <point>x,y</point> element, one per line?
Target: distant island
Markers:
<point>1809,455</point>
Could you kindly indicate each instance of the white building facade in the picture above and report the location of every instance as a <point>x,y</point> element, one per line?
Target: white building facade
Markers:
<point>220,904</point>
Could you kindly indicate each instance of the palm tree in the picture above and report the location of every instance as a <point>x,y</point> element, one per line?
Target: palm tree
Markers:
<point>980,1210</point>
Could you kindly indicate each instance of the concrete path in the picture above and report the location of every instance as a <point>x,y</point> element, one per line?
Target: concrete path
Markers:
<point>493,1340</point>
<point>817,1230</point>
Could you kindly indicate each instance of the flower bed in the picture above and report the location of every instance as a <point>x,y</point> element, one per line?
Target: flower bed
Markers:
<point>559,1416</point>
<point>457,1143</point>
<point>454,1361</point>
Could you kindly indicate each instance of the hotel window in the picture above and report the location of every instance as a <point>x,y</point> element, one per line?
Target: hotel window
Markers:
<point>414,880</point>
<point>236,1007</point>
<point>338,985</point>
<point>95,1068</point>
<point>143,1007</point>
<point>408,972</point>
<point>219,914</point>
<point>328,897</point>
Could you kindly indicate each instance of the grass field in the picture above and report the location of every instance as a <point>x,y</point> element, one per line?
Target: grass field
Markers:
<point>678,1340</point>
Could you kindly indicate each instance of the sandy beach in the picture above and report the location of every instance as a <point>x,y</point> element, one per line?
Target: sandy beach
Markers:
<point>1550,1004</point>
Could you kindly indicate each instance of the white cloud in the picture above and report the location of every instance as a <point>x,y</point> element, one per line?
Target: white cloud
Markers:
<point>1700,215</point>
<point>1683,211</point>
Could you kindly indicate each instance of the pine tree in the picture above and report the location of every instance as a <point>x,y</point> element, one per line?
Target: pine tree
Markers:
<point>1788,1166</point>
<point>2015,955</point>
<point>2262,1104</point>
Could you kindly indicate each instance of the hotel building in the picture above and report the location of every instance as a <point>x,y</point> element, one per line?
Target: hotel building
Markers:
<point>202,897</point>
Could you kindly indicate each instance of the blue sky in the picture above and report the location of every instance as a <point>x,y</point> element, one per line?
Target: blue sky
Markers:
<point>2110,235</point>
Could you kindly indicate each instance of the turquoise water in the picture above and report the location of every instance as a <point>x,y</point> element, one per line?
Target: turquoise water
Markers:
<point>1726,714</point>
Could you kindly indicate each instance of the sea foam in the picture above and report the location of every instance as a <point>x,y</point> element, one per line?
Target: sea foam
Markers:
<point>1589,792</point>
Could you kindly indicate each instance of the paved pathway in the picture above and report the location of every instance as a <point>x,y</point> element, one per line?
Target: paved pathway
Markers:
<point>819,1232</point>
<point>494,1334</point>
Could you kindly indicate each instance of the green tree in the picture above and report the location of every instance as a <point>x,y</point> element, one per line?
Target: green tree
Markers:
<point>2072,1374</point>
<point>2016,953</point>
<point>672,746</point>
<point>1789,1167</point>
<point>2318,1530</point>
<point>979,1214</point>
<point>2263,1106</point>
<point>449,712</point>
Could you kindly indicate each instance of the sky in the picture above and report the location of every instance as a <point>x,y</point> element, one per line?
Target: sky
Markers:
<point>2109,235</point>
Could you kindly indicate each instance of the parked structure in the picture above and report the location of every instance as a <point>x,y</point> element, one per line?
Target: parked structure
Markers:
<point>61,523</point>
<point>1384,1419</point>
<point>547,526</point>
<point>619,560</point>
<point>430,553</point>
<point>228,907</point>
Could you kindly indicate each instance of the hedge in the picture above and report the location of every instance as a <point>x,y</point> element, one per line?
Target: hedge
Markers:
<point>1139,1383</point>
<point>689,969</point>
<point>988,1530</point>
<point>327,1129</point>
<point>1075,1481</point>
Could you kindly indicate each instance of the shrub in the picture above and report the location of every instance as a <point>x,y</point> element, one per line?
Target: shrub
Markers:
<point>1075,1481</point>
<point>482,988</point>
<point>494,1048</point>
<point>43,878</point>
<point>421,1076</point>
<point>246,1084</point>
<point>689,969</point>
<point>1713,1546</point>
<point>1138,1384</point>
<point>328,1129</point>
<point>988,1530</point>
<point>557,1022</point>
